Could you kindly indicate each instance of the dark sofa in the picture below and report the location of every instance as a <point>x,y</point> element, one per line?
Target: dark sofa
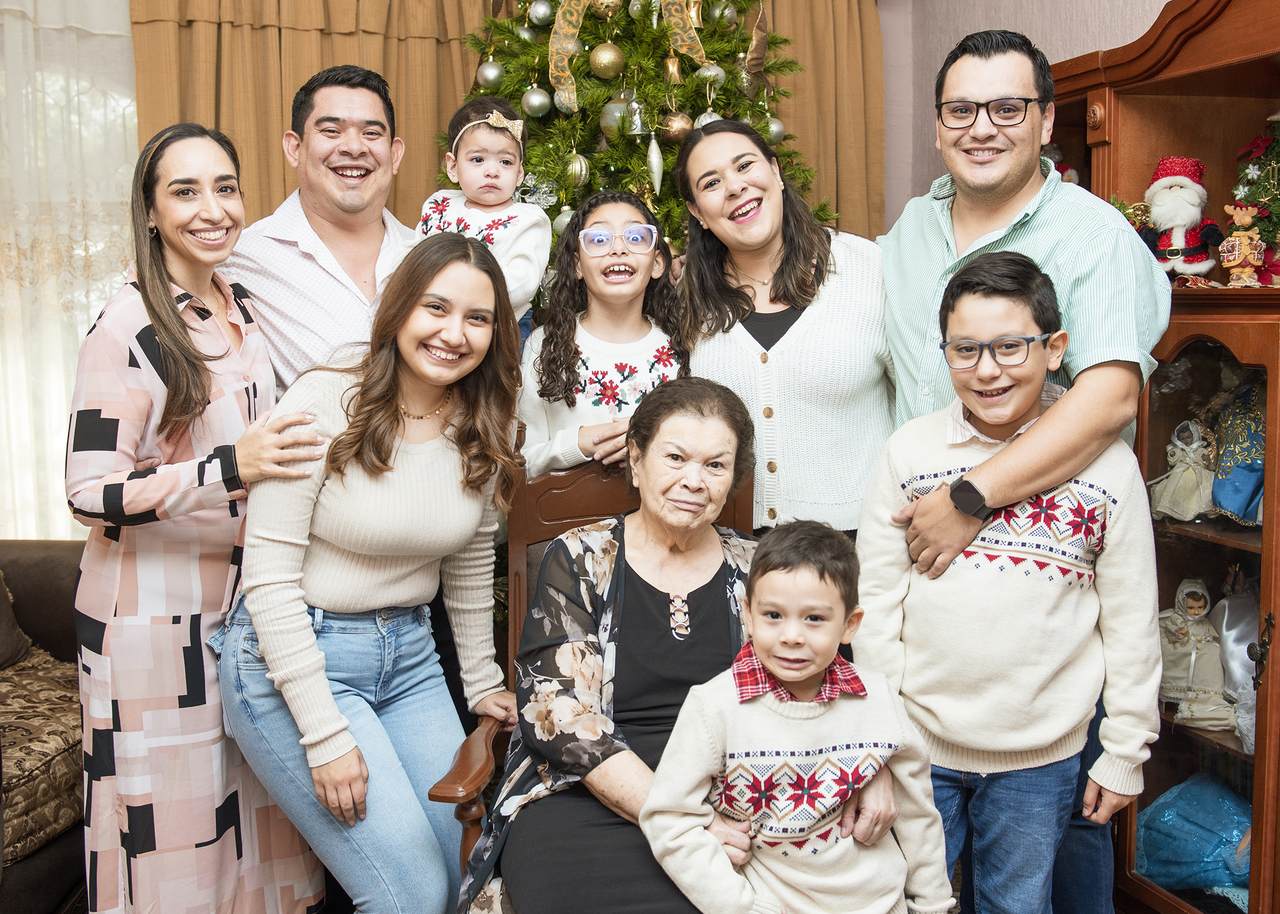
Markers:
<point>41,706</point>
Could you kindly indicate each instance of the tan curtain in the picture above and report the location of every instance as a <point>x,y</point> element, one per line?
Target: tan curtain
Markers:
<point>235,65</point>
<point>837,111</point>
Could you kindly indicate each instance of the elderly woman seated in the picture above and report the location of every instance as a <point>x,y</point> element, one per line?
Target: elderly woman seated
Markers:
<point>629,614</point>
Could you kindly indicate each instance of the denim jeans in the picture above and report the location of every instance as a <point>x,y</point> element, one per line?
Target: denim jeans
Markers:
<point>526,327</point>
<point>385,676</point>
<point>1084,874</point>
<point>1015,821</point>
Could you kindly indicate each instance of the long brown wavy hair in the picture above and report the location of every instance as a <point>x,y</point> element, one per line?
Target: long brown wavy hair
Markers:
<point>710,303</point>
<point>484,402</point>
<point>557,362</point>
<point>186,376</point>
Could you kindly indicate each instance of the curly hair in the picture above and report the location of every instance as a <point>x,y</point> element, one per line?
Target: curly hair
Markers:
<point>484,401</point>
<point>557,362</point>
<point>711,304</point>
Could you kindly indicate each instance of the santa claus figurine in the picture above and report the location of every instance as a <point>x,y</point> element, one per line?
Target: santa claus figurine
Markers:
<point>1177,235</point>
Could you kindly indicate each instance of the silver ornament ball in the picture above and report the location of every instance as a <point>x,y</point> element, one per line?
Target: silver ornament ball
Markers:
<point>706,117</point>
<point>712,73</point>
<point>774,131</point>
<point>727,14</point>
<point>561,221</point>
<point>541,12</point>
<point>528,34</point>
<point>489,74</point>
<point>562,102</point>
<point>536,102</point>
<point>635,8</point>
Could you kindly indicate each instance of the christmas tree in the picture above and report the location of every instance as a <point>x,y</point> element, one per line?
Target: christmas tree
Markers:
<point>609,91</point>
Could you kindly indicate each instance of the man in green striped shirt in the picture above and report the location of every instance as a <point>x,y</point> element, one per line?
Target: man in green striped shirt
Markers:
<point>994,98</point>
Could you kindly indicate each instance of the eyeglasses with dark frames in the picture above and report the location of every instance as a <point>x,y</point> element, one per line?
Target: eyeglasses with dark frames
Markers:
<point>639,239</point>
<point>1008,351</point>
<point>1004,112</point>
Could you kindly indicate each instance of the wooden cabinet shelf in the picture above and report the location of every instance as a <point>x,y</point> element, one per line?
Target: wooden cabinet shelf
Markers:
<point>1200,83</point>
<point>1223,740</point>
<point>1215,530</point>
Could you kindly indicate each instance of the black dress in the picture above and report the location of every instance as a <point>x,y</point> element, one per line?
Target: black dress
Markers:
<point>559,842</point>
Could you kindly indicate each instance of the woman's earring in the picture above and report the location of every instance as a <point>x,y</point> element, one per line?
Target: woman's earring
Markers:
<point>151,230</point>
<point>701,223</point>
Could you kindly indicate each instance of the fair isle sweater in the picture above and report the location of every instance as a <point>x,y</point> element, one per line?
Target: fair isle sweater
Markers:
<point>788,767</point>
<point>519,236</point>
<point>1001,659</point>
<point>612,380</point>
<point>821,397</point>
<point>355,543</point>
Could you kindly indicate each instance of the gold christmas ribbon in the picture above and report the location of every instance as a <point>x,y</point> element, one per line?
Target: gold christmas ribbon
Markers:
<point>759,47</point>
<point>565,32</point>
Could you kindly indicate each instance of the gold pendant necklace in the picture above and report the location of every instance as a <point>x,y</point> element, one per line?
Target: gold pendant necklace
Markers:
<point>448,394</point>
<point>759,282</point>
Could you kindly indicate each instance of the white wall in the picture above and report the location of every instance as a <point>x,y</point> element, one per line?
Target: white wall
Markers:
<point>917,34</point>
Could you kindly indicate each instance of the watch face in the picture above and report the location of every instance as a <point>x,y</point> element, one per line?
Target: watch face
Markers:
<point>967,498</point>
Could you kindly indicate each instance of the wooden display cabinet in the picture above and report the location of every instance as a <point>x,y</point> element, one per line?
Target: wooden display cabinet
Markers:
<point>1201,82</point>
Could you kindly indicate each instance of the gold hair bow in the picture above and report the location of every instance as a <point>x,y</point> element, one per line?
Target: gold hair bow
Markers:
<point>498,121</point>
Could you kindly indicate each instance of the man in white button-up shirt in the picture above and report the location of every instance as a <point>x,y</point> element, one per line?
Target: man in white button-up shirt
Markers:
<point>316,265</point>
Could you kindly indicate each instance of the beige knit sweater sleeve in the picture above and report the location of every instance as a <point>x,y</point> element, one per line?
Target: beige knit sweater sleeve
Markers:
<point>676,815</point>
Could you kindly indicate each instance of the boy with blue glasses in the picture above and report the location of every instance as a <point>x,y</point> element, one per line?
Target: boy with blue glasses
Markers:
<point>1001,661</point>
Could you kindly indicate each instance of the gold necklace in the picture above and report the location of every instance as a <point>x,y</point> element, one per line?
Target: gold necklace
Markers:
<point>448,394</point>
<point>760,282</point>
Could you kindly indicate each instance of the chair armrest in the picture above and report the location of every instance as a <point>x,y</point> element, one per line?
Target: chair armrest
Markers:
<point>472,766</point>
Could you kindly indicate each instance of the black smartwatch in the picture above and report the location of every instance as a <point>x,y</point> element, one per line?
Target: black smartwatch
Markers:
<point>967,499</point>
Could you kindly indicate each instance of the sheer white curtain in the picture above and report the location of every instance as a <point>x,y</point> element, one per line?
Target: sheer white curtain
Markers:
<point>68,140</point>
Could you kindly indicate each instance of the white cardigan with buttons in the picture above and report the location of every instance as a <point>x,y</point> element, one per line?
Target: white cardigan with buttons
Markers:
<point>821,398</point>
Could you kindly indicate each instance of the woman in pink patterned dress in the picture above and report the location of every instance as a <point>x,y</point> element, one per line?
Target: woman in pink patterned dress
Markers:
<point>611,334</point>
<point>169,424</point>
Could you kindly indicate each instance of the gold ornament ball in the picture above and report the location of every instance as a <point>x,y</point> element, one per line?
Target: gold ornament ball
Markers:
<point>676,126</point>
<point>578,169</point>
<point>607,60</point>
<point>605,8</point>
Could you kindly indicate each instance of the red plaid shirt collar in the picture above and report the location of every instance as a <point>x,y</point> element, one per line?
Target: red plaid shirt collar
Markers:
<point>753,679</point>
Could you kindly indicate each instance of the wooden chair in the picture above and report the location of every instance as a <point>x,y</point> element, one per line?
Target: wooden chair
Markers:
<point>544,507</point>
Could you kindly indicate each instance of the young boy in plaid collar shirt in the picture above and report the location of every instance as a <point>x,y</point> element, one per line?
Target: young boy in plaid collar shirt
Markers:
<point>781,740</point>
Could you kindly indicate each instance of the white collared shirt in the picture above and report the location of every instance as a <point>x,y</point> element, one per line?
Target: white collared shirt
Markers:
<point>960,429</point>
<point>309,309</point>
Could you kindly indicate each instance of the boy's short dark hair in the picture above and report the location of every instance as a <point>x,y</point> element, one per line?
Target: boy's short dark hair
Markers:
<point>342,77</point>
<point>1004,274</point>
<point>809,544</point>
<point>477,110</point>
<point>992,43</point>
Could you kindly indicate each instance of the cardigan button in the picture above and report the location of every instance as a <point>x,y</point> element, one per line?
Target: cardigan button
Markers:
<point>768,412</point>
<point>771,467</point>
<point>764,357</point>
<point>773,514</point>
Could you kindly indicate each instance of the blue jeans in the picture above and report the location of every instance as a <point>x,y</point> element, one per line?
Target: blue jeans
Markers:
<point>526,327</point>
<point>1085,870</point>
<point>385,676</point>
<point>1015,821</point>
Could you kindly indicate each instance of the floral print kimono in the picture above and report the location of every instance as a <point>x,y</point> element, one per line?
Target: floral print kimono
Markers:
<point>564,680</point>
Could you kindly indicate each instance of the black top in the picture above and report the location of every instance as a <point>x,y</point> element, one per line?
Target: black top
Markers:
<point>654,670</point>
<point>771,327</point>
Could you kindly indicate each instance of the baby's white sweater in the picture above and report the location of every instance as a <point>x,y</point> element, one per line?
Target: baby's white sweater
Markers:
<point>822,398</point>
<point>1001,659</point>
<point>613,379</point>
<point>356,543</point>
<point>519,236</point>
<point>788,767</point>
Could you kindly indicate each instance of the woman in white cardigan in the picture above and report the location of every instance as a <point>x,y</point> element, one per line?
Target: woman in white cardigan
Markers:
<point>792,320</point>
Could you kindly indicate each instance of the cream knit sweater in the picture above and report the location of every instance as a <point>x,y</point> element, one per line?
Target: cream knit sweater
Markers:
<point>1001,659</point>
<point>822,398</point>
<point>614,377</point>
<point>356,543</point>
<point>789,767</point>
